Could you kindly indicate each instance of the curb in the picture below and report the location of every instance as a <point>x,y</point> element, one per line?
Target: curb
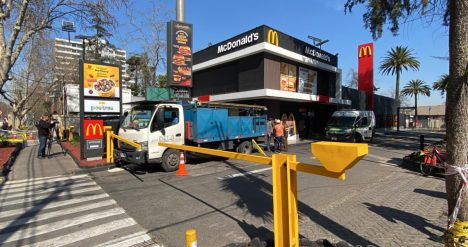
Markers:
<point>88,169</point>
<point>11,160</point>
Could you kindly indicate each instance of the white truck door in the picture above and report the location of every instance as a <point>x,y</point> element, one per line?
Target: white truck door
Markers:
<point>167,126</point>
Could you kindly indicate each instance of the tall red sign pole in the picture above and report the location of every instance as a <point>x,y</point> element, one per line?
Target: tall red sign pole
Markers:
<point>366,72</point>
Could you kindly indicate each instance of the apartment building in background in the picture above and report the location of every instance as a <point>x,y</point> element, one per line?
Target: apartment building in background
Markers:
<point>67,54</point>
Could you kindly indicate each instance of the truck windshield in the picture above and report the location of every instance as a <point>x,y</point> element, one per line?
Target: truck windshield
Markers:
<point>138,118</point>
<point>341,121</point>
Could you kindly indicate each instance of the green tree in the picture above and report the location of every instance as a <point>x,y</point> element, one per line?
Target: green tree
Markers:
<point>21,21</point>
<point>441,84</point>
<point>455,14</point>
<point>415,88</point>
<point>398,59</point>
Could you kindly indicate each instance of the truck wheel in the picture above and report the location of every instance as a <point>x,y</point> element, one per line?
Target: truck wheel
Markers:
<point>245,147</point>
<point>355,138</point>
<point>170,160</point>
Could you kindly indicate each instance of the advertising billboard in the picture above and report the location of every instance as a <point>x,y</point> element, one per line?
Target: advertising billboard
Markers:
<point>307,81</point>
<point>179,54</point>
<point>288,77</point>
<point>101,80</point>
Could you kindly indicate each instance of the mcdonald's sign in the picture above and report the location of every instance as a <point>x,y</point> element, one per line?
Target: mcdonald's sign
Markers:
<point>366,72</point>
<point>365,50</point>
<point>272,37</point>
<point>93,129</point>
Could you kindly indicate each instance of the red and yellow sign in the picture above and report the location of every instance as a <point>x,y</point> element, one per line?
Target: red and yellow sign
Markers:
<point>101,80</point>
<point>93,129</point>
<point>366,72</point>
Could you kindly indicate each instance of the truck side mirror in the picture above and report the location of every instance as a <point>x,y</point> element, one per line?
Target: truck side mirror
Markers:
<point>122,118</point>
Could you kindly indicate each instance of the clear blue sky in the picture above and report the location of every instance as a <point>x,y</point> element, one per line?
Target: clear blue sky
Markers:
<point>215,20</point>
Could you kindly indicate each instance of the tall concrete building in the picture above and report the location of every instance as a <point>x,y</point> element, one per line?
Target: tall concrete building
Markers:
<point>68,53</point>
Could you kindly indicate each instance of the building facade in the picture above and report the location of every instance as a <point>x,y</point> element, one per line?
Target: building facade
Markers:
<point>68,53</point>
<point>297,82</point>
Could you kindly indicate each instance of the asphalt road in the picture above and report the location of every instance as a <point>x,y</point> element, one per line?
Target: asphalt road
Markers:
<point>229,201</point>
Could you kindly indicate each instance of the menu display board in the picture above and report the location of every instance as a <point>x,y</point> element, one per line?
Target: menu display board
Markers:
<point>101,80</point>
<point>179,54</point>
<point>288,77</point>
<point>307,81</point>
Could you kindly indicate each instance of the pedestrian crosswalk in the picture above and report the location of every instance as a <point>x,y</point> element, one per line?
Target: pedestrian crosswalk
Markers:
<point>64,210</point>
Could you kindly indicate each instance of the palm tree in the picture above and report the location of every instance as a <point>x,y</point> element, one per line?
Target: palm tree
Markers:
<point>413,88</point>
<point>441,84</point>
<point>397,59</point>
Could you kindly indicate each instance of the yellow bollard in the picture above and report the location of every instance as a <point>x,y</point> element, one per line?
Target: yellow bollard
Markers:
<point>191,238</point>
<point>70,133</point>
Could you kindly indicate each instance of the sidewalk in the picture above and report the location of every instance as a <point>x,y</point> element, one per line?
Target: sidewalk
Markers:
<point>28,166</point>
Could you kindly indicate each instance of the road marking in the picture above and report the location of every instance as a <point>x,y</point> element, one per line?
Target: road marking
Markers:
<point>116,169</point>
<point>63,193</point>
<point>52,212</point>
<point>32,231</point>
<point>51,215</point>
<point>127,240</point>
<point>244,173</point>
<point>36,207</point>
<point>86,233</point>
<point>38,181</point>
<point>45,188</point>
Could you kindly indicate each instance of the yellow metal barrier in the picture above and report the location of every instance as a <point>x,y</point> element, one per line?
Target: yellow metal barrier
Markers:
<point>110,143</point>
<point>284,169</point>
<point>258,147</point>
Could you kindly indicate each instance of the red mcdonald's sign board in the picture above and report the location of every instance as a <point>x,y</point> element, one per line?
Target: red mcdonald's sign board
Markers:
<point>93,129</point>
<point>366,72</point>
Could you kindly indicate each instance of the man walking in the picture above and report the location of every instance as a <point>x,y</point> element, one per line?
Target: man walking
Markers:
<point>279,134</point>
<point>43,131</point>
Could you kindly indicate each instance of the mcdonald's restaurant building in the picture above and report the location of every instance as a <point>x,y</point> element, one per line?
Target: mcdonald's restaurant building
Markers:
<point>295,80</point>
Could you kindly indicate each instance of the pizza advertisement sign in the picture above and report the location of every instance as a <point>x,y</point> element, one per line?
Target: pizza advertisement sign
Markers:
<point>179,54</point>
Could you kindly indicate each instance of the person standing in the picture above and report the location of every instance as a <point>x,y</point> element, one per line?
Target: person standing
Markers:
<point>279,134</point>
<point>269,133</point>
<point>43,131</point>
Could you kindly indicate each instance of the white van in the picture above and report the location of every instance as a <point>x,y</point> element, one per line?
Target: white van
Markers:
<point>351,125</point>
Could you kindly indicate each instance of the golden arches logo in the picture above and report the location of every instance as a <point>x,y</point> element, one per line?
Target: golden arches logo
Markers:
<point>365,51</point>
<point>272,37</point>
<point>94,127</point>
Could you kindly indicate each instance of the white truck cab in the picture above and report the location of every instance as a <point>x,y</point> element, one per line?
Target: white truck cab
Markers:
<point>148,125</point>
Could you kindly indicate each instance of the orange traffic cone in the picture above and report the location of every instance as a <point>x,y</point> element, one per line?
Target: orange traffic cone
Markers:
<point>181,172</point>
<point>31,136</point>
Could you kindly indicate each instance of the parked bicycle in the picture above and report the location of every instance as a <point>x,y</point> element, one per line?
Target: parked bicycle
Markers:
<point>432,160</point>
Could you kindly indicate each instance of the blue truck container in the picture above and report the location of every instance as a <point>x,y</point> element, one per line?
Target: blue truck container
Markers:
<point>208,124</point>
<point>221,122</point>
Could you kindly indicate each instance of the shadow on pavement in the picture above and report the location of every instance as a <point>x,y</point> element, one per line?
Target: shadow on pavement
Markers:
<point>255,195</point>
<point>436,194</point>
<point>251,230</point>
<point>415,221</point>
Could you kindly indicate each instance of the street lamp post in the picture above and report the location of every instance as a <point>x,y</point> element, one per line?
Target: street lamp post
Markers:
<point>83,44</point>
